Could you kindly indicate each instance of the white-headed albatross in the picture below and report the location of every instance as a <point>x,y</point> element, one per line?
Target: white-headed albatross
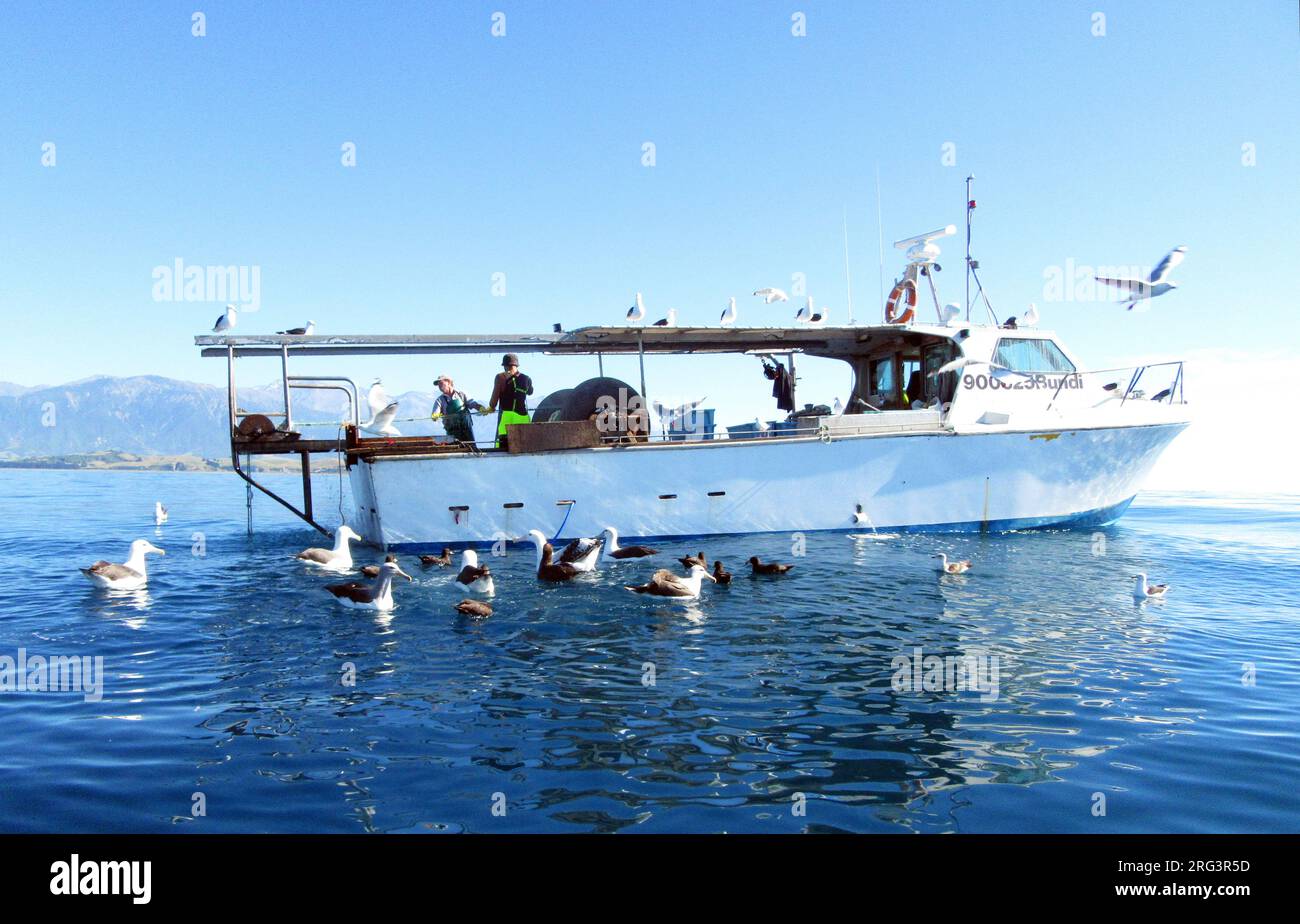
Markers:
<point>375,596</point>
<point>663,583</point>
<point>129,576</point>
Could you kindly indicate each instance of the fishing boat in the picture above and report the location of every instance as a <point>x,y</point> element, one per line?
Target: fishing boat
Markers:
<point>951,425</point>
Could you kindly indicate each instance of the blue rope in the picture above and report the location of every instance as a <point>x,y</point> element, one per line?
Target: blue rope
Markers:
<point>562,522</point>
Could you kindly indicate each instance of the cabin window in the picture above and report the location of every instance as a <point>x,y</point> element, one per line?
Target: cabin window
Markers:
<point>939,386</point>
<point>882,380</point>
<point>1031,356</point>
<point>914,390</point>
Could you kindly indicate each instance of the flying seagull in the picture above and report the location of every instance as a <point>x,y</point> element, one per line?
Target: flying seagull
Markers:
<point>227,320</point>
<point>382,411</point>
<point>1137,290</point>
<point>770,295</point>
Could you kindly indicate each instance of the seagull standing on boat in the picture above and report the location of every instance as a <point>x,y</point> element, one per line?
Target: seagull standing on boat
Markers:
<point>1144,591</point>
<point>670,321</point>
<point>951,567</point>
<point>382,411</point>
<point>300,331</point>
<point>227,320</point>
<point>663,583</point>
<point>636,314</point>
<point>615,552</point>
<point>338,558</point>
<point>1137,290</point>
<point>770,295</point>
<point>729,313</point>
<point>474,576</point>
<point>159,513</point>
<point>1030,317</point>
<point>376,596</point>
<point>129,576</point>
<point>806,314</point>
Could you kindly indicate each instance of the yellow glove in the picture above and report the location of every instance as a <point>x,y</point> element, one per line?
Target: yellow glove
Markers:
<point>483,411</point>
<point>435,416</point>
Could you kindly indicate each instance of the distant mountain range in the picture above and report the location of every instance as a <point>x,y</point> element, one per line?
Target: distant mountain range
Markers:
<point>153,415</point>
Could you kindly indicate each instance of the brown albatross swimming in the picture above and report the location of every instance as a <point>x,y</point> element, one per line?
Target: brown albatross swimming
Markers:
<point>474,576</point>
<point>663,583</point>
<point>376,596</point>
<point>441,561</point>
<point>474,608</point>
<point>769,568</point>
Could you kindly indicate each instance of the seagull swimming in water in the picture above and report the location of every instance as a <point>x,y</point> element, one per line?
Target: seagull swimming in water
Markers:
<point>615,552</point>
<point>338,558</point>
<point>1138,290</point>
<point>300,331</point>
<point>227,320</point>
<point>663,583</point>
<point>729,313</point>
<point>951,567</point>
<point>159,513</point>
<point>636,314</point>
<point>1144,591</point>
<point>474,576</point>
<point>129,576</point>
<point>376,596</point>
<point>382,411</point>
<point>770,295</point>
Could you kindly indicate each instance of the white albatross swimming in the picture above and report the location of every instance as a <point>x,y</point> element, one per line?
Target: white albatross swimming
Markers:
<point>474,576</point>
<point>370,596</point>
<point>159,513</point>
<point>663,583</point>
<point>129,576</point>
<point>227,320</point>
<point>1144,591</point>
<point>1137,290</point>
<point>951,567</point>
<point>338,558</point>
<point>615,552</point>
<point>582,554</point>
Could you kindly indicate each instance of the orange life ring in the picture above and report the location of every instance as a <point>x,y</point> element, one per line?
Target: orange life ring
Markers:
<point>907,286</point>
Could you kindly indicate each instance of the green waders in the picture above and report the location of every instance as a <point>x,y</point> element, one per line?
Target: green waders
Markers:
<point>505,419</point>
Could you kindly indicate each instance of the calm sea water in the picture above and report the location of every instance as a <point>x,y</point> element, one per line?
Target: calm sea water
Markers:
<point>772,708</point>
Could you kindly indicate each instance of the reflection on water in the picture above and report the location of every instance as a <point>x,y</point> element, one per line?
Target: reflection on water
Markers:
<point>770,704</point>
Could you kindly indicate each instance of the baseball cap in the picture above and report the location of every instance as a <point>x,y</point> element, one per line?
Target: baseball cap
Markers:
<point>510,359</point>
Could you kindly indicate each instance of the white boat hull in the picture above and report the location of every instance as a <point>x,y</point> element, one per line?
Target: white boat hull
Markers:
<point>925,481</point>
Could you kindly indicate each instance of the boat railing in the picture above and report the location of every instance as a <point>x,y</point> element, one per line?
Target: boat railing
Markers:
<point>1171,394</point>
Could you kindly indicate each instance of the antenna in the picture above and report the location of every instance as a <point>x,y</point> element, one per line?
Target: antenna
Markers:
<point>880,229</point>
<point>848,276</point>
<point>970,207</point>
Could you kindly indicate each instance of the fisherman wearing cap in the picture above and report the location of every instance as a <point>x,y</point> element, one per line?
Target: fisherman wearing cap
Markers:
<point>509,391</point>
<point>453,407</point>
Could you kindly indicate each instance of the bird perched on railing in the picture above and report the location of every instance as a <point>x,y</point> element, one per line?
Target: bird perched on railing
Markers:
<point>636,314</point>
<point>1138,290</point>
<point>670,321</point>
<point>300,331</point>
<point>227,320</point>
<point>807,315</point>
<point>729,313</point>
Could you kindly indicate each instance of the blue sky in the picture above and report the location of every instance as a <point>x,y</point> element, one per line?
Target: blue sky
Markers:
<point>522,154</point>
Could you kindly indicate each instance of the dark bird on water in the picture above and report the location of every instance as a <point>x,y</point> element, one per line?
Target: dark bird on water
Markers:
<point>551,571</point>
<point>769,568</point>
<point>695,560</point>
<point>376,596</point>
<point>474,576</point>
<point>372,571</point>
<point>474,608</point>
<point>441,561</point>
<point>720,576</point>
